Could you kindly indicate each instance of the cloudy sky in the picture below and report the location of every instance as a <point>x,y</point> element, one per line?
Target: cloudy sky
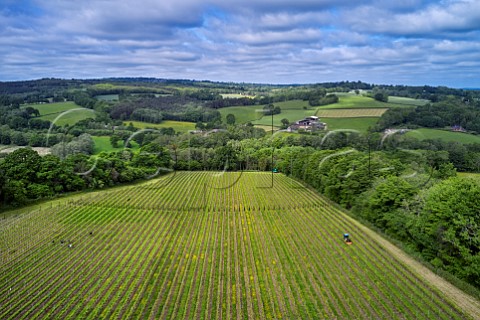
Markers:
<point>412,42</point>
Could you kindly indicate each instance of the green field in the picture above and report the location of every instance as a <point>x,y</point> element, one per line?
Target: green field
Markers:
<point>102,143</point>
<point>352,101</point>
<point>292,110</point>
<point>235,96</point>
<point>53,108</point>
<point>291,114</point>
<point>408,101</point>
<point>350,113</point>
<point>207,245</point>
<point>65,112</point>
<point>243,114</point>
<point>359,124</point>
<point>425,133</point>
<point>178,126</point>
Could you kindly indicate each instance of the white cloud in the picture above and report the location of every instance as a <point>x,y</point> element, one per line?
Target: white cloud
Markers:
<point>249,40</point>
<point>448,16</point>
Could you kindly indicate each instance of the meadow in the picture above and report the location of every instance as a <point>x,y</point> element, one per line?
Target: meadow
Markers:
<point>209,245</point>
<point>350,113</point>
<point>103,144</point>
<point>408,101</point>
<point>235,96</point>
<point>243,114</point>
<point>361,124</point>
<point>65,112</point>
<point>178,126</point>
<point>450,136</point>
<point>351,101</point>
<point>292,110</point>
<point>53,108</point>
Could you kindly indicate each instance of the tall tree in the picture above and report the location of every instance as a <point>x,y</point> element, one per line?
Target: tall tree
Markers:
<point>230,119</point>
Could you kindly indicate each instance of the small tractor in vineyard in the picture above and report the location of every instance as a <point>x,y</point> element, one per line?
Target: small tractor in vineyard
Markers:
<point>346,238</point>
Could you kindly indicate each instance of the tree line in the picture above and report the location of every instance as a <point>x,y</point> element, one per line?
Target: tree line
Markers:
<point>451,111</point>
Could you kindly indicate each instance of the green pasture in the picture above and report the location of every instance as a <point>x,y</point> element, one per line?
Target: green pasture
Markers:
<point>291,114</point>
<point>350,113</point>
<point>53,108</point>
<point>235,96</point>
<point>70,117</point>
<point>292,110</point>
<point>407,101</point>
<point>359,124</point>
<point>63,113</point>
<point>350,101</point>
<point>242,114</point>
<point>102,144</point>
<point>178,126</point>
<point>450,136</point>
<point>293,105</point>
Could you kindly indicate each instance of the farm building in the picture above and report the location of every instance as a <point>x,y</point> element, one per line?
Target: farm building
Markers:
<point>310,123</point>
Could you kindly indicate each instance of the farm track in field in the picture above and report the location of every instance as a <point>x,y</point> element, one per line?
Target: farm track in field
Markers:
<point>209,245</point>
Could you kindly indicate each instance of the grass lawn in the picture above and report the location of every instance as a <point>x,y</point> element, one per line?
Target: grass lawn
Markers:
<point>359,124</point>
<point>425,133</point>
<point>178,126</point>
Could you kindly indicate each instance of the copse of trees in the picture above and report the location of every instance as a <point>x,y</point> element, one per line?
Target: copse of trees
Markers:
<point>83,144</point>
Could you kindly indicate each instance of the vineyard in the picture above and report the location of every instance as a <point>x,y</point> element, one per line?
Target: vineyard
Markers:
<point>204,245</point>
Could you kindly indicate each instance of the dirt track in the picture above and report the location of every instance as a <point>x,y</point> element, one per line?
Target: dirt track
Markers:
<point>465,302</point>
